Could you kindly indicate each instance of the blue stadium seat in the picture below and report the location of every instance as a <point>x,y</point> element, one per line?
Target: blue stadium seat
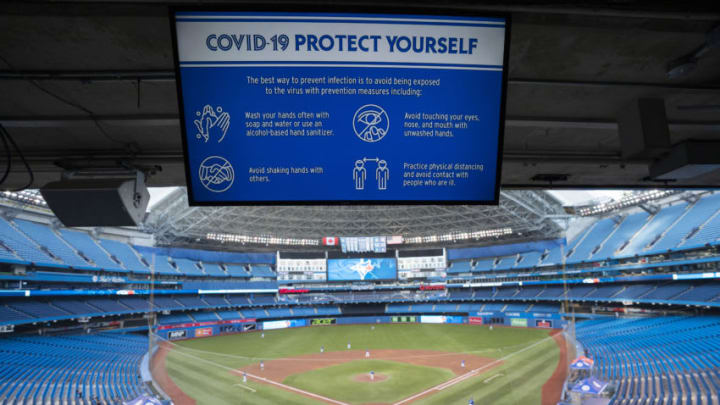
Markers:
<point>85,244</point>
<point>529,259</point>
<point>462,266</point>
<point>51,369</point>
<point>214,270</point>
<point>175,319</point>
<point>107,305</point>
<point>653,229</point>
<point>237,270</point>
<point>9,315</point>
<point>125,255</point>
<point>707,234</point>
<point>553,257</point>
<point>166,302</point>
<point>188,267</point>
<point>209,316</point>
<point>486,264</point>
<point>655,360</point>
<point>257,270</point>
<point>621,235</point>
<point>544,308</point>
<point>23,246</point>
<point>593,238</point>
<point>44,236</point>
<point>191,301</point>
<point>507,262</point>
<point>161,264</point>
<point>229,315</point>
<point>697,215</point>
<point>38,309</point>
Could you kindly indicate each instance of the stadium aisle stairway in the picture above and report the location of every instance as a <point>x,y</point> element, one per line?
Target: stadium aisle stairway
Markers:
<point>669,360</point>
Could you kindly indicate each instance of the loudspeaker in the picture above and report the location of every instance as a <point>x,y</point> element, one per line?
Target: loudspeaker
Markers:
<point>97,202</point>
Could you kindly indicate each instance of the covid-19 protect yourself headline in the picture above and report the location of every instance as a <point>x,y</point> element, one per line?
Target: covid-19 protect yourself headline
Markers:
<point>341,43</point>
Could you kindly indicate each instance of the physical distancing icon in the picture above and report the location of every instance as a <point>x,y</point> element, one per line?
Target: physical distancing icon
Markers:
<point>382,173</point>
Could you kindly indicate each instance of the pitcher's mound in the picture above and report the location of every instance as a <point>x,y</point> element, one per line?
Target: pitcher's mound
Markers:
<point>365,377</point>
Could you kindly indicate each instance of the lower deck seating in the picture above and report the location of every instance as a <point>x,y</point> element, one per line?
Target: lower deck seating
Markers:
<point>53,369</point>
<point>664,360</point>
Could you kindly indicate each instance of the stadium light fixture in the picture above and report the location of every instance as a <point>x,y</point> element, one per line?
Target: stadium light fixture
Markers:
<point>31,197</point>
<point>260,240</point>
<point>625,202</point>
<point>456,236</point>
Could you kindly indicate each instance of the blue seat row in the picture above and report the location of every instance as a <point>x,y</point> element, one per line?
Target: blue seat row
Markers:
<point>53,369</point>
<point>665,360</point>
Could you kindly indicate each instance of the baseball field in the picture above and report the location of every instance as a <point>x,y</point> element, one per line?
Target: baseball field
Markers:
<point>410,363</point>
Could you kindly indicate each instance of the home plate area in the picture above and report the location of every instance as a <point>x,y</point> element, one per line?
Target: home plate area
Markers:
<point>422,372</point>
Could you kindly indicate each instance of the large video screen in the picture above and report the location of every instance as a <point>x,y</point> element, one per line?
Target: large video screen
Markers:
<point>303,108</point>
<point>361,269</point>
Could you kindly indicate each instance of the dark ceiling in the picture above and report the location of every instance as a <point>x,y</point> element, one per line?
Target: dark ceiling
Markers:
<point>91,83</point>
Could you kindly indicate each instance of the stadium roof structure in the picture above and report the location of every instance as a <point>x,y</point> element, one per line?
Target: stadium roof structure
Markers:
<point>95,87</point>
<point>521,215</point>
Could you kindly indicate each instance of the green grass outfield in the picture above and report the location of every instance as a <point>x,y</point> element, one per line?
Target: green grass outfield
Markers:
<point>201,367</point>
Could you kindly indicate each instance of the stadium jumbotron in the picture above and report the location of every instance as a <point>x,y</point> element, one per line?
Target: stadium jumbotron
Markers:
<point>302,202</point>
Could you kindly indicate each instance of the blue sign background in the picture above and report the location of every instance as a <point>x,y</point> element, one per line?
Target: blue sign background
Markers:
<point>342,269</point>
<point>471,92</point>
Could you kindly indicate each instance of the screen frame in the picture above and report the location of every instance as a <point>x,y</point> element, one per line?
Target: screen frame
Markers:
<point>345,9</point>
<point>327,271</point>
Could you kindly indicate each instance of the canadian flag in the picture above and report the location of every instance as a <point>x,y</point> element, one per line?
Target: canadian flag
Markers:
<point>330,241</point>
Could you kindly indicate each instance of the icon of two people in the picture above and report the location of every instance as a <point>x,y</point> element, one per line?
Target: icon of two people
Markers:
<point>382,174</point>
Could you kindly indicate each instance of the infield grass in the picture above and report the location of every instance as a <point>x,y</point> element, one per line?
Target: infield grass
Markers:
<point>201,367</point>
<point>338,382</point>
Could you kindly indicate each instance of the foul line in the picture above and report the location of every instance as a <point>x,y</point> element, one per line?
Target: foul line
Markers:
<point>487,380</point>
<point>244,386</point>
<point>469,374</point>
<point>287,387</point>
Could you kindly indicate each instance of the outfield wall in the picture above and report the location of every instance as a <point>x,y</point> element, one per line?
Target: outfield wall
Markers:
<point>214,328</point>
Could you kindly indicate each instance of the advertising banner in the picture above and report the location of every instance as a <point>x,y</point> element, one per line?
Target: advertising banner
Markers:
<point>432,319</point>
<point>323,321</point>
<point>177,334</point>
<point>291,323</point>
<point>475,320</point>
<point>209,323</point>
<point>519,322</point>
<point>203,332</point>
<point>543,323</point>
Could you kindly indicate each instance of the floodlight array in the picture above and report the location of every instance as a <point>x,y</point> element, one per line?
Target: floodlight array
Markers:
<point>32,197</point>
<point>260,240</point>
<point>627,201</point>
<point>459,236</point>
